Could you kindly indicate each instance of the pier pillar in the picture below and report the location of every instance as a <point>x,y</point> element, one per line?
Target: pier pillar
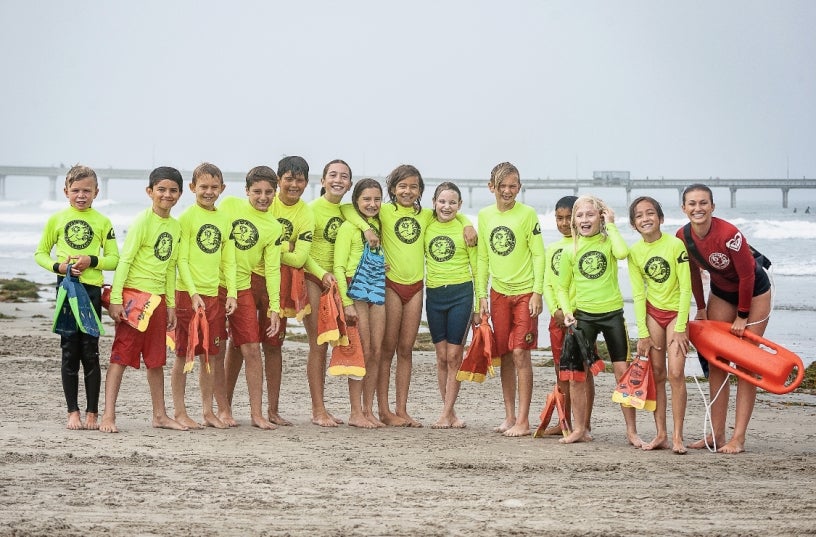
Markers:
<point>52,194</point>
<point>104,189</point>
<point>680,196</point>
<point>628,196</point>
<point>2,187</point>
<point>523,192</point>
<point>733,197</point>
<point>785,198</point>
<point>470,197</point>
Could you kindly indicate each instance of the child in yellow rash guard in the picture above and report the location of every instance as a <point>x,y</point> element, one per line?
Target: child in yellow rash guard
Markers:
<point>661,290</point>
<point>147,265</point>
<point>257,235</point>
<point>84,238</point>
<point>206,251</point>
<point>591,265</point>
<point>449,305</point>
<point>368,317</point>
<point>511,255</point>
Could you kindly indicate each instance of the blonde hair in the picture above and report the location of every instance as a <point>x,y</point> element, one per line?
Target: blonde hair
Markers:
<point>598,204</point>
<point>79,172</point>
<point>500,171</point>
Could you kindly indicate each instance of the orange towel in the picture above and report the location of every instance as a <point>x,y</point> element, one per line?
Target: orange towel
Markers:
<point>478,362</point>
<point>197,322</point>
<point>293,296</point>
<point>331,321</point>
<point>348,359</point>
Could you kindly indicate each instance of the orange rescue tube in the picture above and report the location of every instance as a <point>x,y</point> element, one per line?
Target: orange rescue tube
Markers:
<point>770,367</point>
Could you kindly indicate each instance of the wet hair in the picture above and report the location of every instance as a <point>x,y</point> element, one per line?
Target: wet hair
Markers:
<point>261,173</point>
<point>296,165</point>
<point>447,185</point>
<point>697,186</point>
<point>326,170</point>
<point>502,170</point>
<point>79,172</point>
<point>403,171</point>
<point>595,202</point>
<point>166,172</point>
<point>654,202</point>
<point>361,185</point>
<point>567,202</point>
<point>205,168</point>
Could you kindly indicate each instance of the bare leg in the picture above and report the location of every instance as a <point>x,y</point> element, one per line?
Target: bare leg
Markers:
<point>452,360</point>
<point>254,379</point>
<point>273,367</point>
<point>220,386</point>
<point>657,356</point>
<point>393,321</point>
<point>232,369</point>
<point>178,385</point>
<point>316,362</point>
<point>677,380</point>
<point>155,379</point>
<point>357,418</point>
<point>411,315</point>
<point>619,369</point>
<point>113,381</point>
<point>508,382</point>
<point>371,324</point>
<point>578,396</point>
<point>590,397</point>
<point>206,382</point>
<point>524,370</point>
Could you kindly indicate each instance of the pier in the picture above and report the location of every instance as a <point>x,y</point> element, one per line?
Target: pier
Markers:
<point>56,177</point>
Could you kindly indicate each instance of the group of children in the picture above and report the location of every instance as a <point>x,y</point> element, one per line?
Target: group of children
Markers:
<point>234,271</point>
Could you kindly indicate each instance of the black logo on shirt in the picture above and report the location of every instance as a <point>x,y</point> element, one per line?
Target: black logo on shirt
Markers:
<point>208,238</point>
<point>502,240</point>
<point>163,247</point>
<point>555,263</point>
<point>288,228</point>
<point>305,236</point>
<point>592,265</point>
<point>441,248</point>
<point>407,229</point>
<point>657,269</point>
<point>78,234</point>
<point>330,231</point>
<point>245,234</point>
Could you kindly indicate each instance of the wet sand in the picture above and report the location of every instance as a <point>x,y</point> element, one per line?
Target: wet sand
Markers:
<point>308,480</point>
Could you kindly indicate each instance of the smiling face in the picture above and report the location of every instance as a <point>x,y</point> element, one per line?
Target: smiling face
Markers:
<point>369,202</point>
<point>647,220</point>
<point>207,189</point>
<point>260,195</point>
<point>291,187</point>
<point>165,193</point>
<point>446,205</point>
<point>81,193</point>
<point>336,181</point>
<point>407,191</point>
<point>698,206</point>
<point>506,191</point>
<point>586,219</point>
<point>563,217</point>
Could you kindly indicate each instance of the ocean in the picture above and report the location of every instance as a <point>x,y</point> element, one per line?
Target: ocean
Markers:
<point>785,236</point>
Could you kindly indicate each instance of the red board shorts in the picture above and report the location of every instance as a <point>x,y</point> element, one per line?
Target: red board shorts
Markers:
<point>556,341</point>
<point>405,292</point>
<point>216,320</point>
<point>512,325</point>
<point>261,297</point>
<point>243,325</point>
<point>129,345</point>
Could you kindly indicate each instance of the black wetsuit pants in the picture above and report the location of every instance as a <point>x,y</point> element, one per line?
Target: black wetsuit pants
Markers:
<point>82,349</point>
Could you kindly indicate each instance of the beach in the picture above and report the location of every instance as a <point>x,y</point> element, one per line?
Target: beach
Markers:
<point>308,480</point>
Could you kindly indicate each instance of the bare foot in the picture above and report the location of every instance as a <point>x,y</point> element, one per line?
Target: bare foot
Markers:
<point>519,429</point>
<point>678,447</point>
<point>442,423</point>
<point>359,420</point>
<point>337,420</point>
<point>505,425</point>
<point>277,419</point>
<point>701,444</point>
<point>325,420</point>
<point>554,430</point>
<point>575,437</point>
<point>392,420</point>
<point>188,422</point>
<point>91,421</point>
<point>411,421</point>
<point>262,423</point>
<point>373,419</point>
<point>732,447</point>
<point>227,418</point>
<point>211,420</point>
<point>166,422</point>
<point>634,439</point>
<point>74,421</point>
<point>108,424</point>
<point>458,424</point>
<point>659,442</point>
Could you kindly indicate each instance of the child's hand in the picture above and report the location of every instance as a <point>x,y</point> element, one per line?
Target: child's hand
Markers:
<point>230,305</point>
<point>644,345</point>
<point>171,319</point>
<point>608,215</point>
<point>274,323</point>
<point>536,304</point>
<point>559,318</point>
<point>80,262</point>
<point>470,235</point>
<point>351,315</point>
<point>197,302</point>
<point>117,312</point>
<point>569,320</point>
<point>372,238</point>
<point>475,319</point>
<point>328,280</point>
<point>484,307</point>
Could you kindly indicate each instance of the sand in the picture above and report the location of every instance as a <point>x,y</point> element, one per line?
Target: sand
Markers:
<point>308,480</point>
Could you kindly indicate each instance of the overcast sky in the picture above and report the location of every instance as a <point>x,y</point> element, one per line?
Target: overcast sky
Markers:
<point>687,89</point>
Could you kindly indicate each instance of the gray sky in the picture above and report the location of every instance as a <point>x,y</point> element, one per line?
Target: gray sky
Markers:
<point>686,89</point>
